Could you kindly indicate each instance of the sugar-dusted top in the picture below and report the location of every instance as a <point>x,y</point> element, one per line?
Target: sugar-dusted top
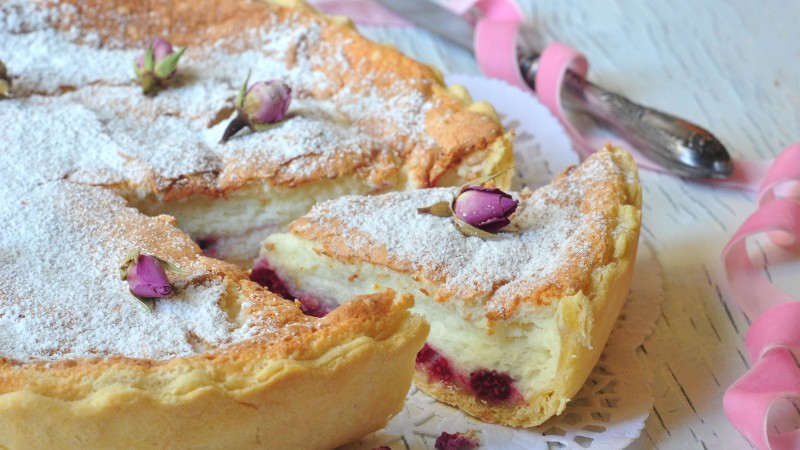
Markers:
<point>61,296</point>
<point>558,236</point>
<point>79,114</point>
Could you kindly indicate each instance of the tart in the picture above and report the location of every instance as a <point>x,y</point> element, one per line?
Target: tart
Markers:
<point>93,171</point>
<point>517,322</point>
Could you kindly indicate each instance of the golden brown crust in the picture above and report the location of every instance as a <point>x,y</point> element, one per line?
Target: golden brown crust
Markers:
<point>291,336</point>
<point>455,132</point>
<point>242,399</point>
<point>246,395</point>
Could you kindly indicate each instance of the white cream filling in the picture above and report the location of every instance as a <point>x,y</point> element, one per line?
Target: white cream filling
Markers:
<point>243,219</point>
<point>526,348</point>
<point>256,205</point>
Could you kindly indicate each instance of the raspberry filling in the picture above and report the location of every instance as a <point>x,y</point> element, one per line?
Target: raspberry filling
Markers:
<point>488,385</point>
<point>265,275</point>
<point>208,246</point>
<point>491,385</point>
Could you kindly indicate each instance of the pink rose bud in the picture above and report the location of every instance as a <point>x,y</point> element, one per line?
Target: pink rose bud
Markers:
<point>266,102</point>
<point>147,278</point>
<point>161,49</point>
<point>259,107</point>
<point>487,209</point>
<point>157,65</point>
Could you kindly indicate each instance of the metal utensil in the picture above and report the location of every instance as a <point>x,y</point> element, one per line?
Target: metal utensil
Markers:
<point>677,145</point>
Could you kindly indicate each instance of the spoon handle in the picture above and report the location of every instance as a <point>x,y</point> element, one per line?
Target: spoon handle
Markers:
<point>676,144</point>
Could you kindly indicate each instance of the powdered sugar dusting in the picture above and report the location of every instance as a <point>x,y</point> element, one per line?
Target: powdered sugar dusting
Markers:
<point>45,60</point>
<point>554,240</point>
<point>60,292</point>
<point>42,140</point>
<point>108,132</point>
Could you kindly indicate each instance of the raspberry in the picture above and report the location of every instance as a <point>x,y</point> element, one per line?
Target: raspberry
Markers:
<point>491,385</point>
<point>440,369</point>
<point>437,365</point>
<point>208,246</point>
<point>455,441</point>
<point>426,355</point>
<point>263,274</point>
<point>312,306</point>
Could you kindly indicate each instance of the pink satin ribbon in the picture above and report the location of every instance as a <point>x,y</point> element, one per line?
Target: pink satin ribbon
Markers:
<point>773,376</point>
<point>775,332</point>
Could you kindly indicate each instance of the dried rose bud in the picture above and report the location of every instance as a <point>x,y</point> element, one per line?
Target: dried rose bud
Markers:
<point>486,209</point>
<point>266,102</point>
<point>5,81</point>
<point>456,441</point>
<point>477,210</point>
<point>157,65</point>
<point>260,107</point>
<point>161,49</point>
<point>147,277</point>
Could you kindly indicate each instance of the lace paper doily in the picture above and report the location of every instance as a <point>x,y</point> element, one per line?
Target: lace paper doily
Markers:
<point>610,410</point>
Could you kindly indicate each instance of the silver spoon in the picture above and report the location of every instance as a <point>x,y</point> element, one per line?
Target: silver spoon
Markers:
<point>676,144</point>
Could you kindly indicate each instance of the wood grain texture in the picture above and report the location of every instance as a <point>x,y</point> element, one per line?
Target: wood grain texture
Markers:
<point>733,67</point>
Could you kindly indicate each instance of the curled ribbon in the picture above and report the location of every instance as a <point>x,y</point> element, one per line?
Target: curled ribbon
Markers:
<point>773,341</point>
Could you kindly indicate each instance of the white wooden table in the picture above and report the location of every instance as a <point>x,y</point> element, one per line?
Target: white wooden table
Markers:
<point>733,67</point>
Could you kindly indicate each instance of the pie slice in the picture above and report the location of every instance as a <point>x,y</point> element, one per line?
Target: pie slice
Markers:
<point>517,322</point>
